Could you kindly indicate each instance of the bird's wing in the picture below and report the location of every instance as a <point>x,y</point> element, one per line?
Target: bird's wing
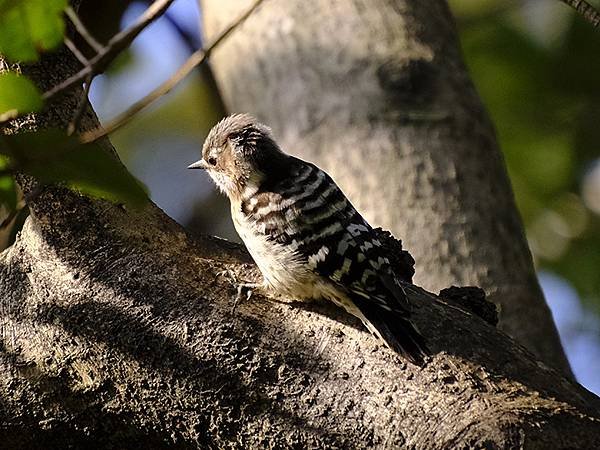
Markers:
<point>308,213</point>
<point>314,216</point>
<point>356,261</point>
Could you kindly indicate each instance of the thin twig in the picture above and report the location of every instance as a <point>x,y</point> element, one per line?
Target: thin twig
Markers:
<point>115,46</point>
<point>80,107</point>
<point>194,60</point>
<point>587,11</point>
<point>82,30</point>
<point>71,46</point>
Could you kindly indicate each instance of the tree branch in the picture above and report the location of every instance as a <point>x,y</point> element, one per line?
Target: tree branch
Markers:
<point>82,30</point>
<point>125,325</point>
<point>197,58</point>
<point>116,331</point>
<point>115,46</point>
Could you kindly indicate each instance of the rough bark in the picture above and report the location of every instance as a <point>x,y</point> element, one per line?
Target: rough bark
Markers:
<point>381,86</point>
<point>118,331</point>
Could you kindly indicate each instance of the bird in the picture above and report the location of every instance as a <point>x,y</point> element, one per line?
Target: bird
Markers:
<point>306,237</point>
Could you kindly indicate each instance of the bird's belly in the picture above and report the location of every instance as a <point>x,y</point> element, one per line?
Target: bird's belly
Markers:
<point>281,267</point>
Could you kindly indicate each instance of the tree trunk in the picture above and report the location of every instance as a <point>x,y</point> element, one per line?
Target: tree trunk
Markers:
<point>376,93</point>
<point>118,331</point>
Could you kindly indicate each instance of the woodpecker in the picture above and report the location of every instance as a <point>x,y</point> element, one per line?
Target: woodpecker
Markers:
<point>304,234</point>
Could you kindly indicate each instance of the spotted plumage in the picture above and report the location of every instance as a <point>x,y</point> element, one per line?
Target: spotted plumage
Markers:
<point>304,234</point>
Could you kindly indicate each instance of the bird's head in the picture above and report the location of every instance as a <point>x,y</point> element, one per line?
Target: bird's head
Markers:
<point>233,154</point>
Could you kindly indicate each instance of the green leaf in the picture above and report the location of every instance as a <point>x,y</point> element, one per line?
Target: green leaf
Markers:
<point>8,193</point>
<point>30,26</point>
<point>18,95</point>
<point>52,156</point>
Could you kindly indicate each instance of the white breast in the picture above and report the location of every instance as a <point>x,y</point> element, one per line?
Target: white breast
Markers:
<point>282,268</point>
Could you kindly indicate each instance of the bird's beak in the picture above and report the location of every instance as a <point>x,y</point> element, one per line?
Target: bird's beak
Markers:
<point>199,165</point>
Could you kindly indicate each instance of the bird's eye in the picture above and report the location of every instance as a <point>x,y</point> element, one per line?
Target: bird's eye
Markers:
<point>212,161</point>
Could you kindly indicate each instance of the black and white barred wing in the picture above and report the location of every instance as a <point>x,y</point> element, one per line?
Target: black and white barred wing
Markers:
<point>378,295</point>
<point>338,244</point>
<point>307,213</point>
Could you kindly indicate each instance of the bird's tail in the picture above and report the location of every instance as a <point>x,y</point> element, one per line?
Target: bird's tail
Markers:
<point>397,331</point>
<point>403,337</point>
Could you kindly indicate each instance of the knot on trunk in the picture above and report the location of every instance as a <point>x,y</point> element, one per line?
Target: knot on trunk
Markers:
<point>407,78</point>
<point>471,299</point>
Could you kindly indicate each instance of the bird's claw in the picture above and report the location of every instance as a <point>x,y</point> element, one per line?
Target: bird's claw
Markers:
<point>233,279</point>
<point>240,289</point>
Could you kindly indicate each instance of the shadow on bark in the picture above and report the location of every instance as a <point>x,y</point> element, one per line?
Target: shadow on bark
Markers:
<point>135,333</point>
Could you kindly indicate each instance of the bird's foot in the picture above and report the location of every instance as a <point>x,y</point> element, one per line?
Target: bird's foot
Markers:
<point>240,287</point>
<point>248,287</point>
